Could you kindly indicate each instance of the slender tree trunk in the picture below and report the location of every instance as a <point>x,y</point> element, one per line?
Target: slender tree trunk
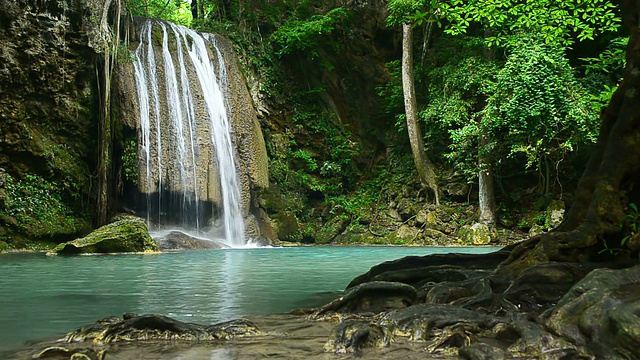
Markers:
<point>487,198</point>
<point>424,166</point>
<point>486,193</point>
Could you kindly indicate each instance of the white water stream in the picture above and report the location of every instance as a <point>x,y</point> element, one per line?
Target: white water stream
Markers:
<point>185,131</point>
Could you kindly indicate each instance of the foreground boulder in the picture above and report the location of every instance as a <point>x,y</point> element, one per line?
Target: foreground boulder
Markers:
<point>92,342</point>
<point>147,327</point>
<point>461,307</point>
<point>601,313</point>
<point>123,236</point>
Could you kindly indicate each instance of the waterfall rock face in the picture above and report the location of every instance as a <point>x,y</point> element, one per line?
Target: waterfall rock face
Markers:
<point>201,154</point>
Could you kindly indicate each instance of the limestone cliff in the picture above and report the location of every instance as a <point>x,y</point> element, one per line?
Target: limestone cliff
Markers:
<point>47,118</point>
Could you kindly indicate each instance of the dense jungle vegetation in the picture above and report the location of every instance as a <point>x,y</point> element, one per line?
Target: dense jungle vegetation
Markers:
<point>507,98</point>
<point>373,111</point>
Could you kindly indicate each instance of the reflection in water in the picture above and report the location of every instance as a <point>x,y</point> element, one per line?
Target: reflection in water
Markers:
<point>232,274</point>
<point>49,296</point>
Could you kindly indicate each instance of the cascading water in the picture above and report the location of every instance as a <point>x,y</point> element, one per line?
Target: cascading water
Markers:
<point>185,132</point>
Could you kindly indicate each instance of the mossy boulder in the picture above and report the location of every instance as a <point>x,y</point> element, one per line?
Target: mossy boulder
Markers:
<point>286,226</point>
<point>127,235</point>
<point>476,234</point>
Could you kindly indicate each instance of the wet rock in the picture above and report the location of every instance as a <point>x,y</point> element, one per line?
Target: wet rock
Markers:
<point>474,292</point>
<point>353,336</point>
<point>59,352</point>
<point>159,327</point>
<point>177,240</point>
<point>468,261</point>
<point>130,235</point>
<point>481,351</point>
<point>602,313</point>
<point>375,297</point>
<point>452,338</point>
<point>421,275</point>
<point>530,339</point>
<point>417,322</point>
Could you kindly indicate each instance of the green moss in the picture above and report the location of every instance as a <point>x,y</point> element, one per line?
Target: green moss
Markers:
<point>127,235</point>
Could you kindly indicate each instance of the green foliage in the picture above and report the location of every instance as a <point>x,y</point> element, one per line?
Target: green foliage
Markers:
<point>123,55</point>
<point>605,72</point>
<point>458,86</point>
<point>130,161</point>
<point>537,106</point>
<point>612,59</point>
<point>560,22</point>
<point>176,11</point>
<point>38,207</point>
<point>307,35</point>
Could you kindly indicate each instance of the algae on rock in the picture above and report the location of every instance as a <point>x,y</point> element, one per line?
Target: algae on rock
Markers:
<point>127,235</point>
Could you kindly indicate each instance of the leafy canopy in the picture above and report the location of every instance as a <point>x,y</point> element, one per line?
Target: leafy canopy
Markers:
<point>176,11</point>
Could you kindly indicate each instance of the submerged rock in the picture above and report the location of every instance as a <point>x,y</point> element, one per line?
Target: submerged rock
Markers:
<point>127,235</point>
<point>158,327</point>
<point>419,321</point>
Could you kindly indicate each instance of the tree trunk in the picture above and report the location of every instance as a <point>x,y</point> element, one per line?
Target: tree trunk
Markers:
<point>423,164</point>
<point>104,127</point>
<point>607,185</point>
<point>486,193</point>
<point>487,199</point>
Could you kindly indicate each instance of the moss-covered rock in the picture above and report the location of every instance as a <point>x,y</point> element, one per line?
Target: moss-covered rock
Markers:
<point>476,234</point>
<point>331,229</point>
<point>147,327</point>
<point>286,226</point>
<point>127,235</point>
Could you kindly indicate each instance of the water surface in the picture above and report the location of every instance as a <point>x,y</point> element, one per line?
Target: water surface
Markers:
<point>46,296</point>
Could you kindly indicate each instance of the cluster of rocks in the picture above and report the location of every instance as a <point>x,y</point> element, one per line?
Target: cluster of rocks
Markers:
<point>454,305</point>
<point>87,343</point>
<point>130,234</point>
<point>457,305</point>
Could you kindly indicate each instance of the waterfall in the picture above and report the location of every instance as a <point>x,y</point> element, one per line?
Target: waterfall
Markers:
<point>186,151</point>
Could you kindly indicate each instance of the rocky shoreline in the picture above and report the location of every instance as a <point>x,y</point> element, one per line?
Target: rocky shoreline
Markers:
<point>437,306</point>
